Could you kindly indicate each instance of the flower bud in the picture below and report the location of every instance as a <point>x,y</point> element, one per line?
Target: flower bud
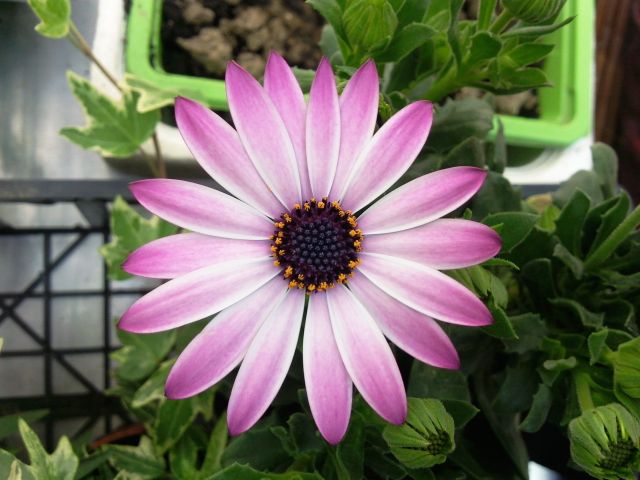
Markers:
<point>605,442</point>
<point>426,438</point>
<point>626,368</point>
<point>534,11</point>
<point>369,24</point>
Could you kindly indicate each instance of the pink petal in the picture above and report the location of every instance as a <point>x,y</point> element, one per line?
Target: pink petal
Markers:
<point>425,290</point>
<point>263,134</point>
<point>442,244</point>
<point>367,356</point>
<point>219,348</point>
<point>196,295</point>
<point>327,381</point>
<point>172,256</point>
<point>358,113</point>
<point>323,130</point>
<point>217,148</point>
<point>282,87</point>
<point>418,335</point>
<point>388,155</point>
<point>422,200</point>
<point>265,366</point>
<point>201,209</point>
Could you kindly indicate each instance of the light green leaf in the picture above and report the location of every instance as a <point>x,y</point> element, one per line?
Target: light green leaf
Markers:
<point>13,469</point>
<point>174,418</point>
<point>529,53</point>
<point>405,41</point>
<point>331,11</point>
<point>369,25</point>
<point>114,128</point>
<point>573,263</point>
<point>215,448</point>
<point>587,318</point>
<point>485,13</point>
<point>139,462</point>
<point>54,15</point>
<point>569,223</point>
<point>153,388</point>
<point>605,164</point>
<point>484,46</point>
<point>9,423</point>
<point>130,230</point>
<point>62,464</point>
<point>536,31</point>
<point>140,354</point>
<point>244,472</point>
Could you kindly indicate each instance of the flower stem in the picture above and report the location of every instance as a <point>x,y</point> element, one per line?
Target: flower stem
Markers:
<point>501,22</point>
<point>583,391</point>
<point>614,240</point>
<point>443,86</point>
<point>75,37</point>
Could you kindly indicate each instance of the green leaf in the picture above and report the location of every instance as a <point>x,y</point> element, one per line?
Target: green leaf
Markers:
<point>173,420</point>
<point>91,463</point>
<point>530,329</point>
<point>497,158</point>
<point>404,42</point>
<point>215,448</point>
<point>369,25</point>
<point>485,14</point>
<point>461,412</point>
<point>426,381</point>
<point>517,389</point>
<point>349,454</point>
<point>516,226</point>
<point>152,97</point>
<point>259,447</point>
<point>626,368</point>
<point>526,78</point>
<point>605,164</point>
<point>536,31</point>
<point>496,195</point>
<point>501,326</point>
<point>113,128</point>
<point>588,318</point>
<point>140,354</point>
<point>597,343</point>
<point>13,469</point>
<point>529,53</point>
<point>583,180</point>
<point>183,458</point>
<point>139,462</point>
<point>539,410</point>
<point>331,11</point>
<point>9,423</point>
<point>468,153</point>
<point>573,263</point>
<point>130,230</point>
<point>54,15</point>
<point>244,472</point>
<point>62,464</point>
<point>459,119</point>
<point>569,223</point>
<point>153,388</point>
<point>548,218</point>
<point>484,46</point>
<point>611,219</point>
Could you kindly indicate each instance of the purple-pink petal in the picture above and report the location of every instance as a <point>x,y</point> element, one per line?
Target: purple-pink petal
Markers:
<point>265,365</point>
<point>285,93</point>
<point>422,200</point>
<point>367,356</point>
<point>388,155</point>
<point>201,209</point>
<point>358,113</point>
<point>217,148</point>
<point>196,295</point>
<point>323,130</point>
<point>326,379</point>
<point>176,255</point>
<point>263,134</point>
<point>415,333</point>
<point>442,244</point>
<point>425,289</point>
<point>219,348</point>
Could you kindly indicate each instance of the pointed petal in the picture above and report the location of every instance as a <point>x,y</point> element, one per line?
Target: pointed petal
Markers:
<point>176,255</point>
<point>196,295</point>
<point>425,290</point>
<point>442,244</point>
<point>358,113</point>
<point>327,381</point>
<point>323,130</point>
<point>201,209</point>
<point>422,200</point>
<point>418,335</point>
<point>219,348</point>
<point>388,155</point>
<point>217,148</point>
<point>367,356</point>
<point>284,90</point>
<point>263,134</point>
<point>265,366</point>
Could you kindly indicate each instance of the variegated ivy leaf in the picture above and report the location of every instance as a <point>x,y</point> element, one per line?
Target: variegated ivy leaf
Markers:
<point>54,15</point>
<point>114,128</point>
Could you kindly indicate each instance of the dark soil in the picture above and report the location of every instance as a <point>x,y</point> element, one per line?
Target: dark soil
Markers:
<point>199,37</point>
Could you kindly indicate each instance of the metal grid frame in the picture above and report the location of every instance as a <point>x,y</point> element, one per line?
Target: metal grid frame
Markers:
<point>91,198</point>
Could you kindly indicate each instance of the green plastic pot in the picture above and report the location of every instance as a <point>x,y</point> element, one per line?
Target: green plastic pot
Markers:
<point>565,109</point>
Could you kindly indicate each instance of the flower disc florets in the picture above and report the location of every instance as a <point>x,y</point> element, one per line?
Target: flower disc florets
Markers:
<point>317,245</point>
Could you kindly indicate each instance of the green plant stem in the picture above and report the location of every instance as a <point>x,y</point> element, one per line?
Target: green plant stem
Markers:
<point>443,86</point>
<point>158,167</point>
<point>150,163</point>
<point>583,391</point>
<point>501,22</point>
<point>613,241</point>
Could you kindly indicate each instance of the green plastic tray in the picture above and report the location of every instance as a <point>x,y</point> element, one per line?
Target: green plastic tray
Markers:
<point>565,109</point>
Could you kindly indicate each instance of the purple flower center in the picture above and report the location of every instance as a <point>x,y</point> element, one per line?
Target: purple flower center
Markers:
<point>317,245</point>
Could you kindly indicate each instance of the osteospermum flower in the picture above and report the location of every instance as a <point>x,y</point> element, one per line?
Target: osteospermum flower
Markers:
<point>292,233</point>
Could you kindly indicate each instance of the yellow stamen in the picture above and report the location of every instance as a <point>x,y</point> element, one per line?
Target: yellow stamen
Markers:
<point>300,276</point>
<point>279,224</point>
<point>281,252</point>
<point>288,272</point>
<point>297,206</point>
<point>277,263</point>
<point>278,241</point>
<point>353,233</point>
<point>293,284</point>
<point>321,204</point>
<point>287,218</point>
<point>311,287</point>
<point>274,249</point>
